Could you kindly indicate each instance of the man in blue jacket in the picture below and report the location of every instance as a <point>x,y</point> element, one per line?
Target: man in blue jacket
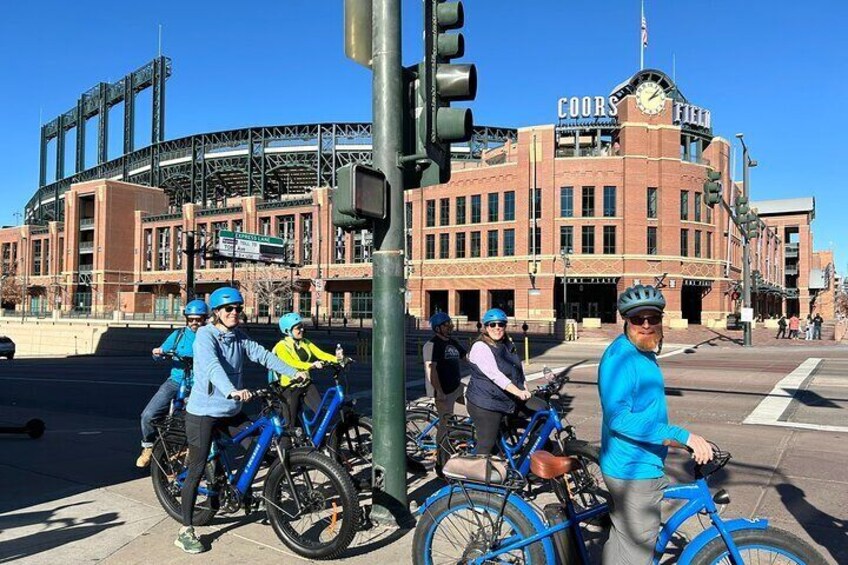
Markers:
<point>635,433</point>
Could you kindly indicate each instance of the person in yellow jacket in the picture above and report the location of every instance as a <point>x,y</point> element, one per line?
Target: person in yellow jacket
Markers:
<point>302,355</point>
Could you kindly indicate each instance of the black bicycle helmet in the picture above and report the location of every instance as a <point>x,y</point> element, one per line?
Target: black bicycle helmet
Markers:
<point>640,297</point>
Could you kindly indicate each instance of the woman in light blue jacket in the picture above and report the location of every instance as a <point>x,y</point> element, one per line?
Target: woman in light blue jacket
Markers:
<point>217,394</point>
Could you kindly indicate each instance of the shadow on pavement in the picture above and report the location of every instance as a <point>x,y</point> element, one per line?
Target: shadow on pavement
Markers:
<point>828,531</point>
<point>69,530</point>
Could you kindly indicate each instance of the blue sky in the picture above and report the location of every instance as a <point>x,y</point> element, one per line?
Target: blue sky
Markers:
<point>775,73</point>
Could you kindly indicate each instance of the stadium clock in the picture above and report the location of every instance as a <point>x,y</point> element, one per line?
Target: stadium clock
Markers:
<point>650,98</point>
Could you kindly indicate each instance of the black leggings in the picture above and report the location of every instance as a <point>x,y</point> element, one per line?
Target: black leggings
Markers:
<point>199,434</point>
<point>487,423</point>
<point>294,397</point>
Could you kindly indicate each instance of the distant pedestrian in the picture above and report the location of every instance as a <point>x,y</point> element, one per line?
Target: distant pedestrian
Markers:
<point>808,329</point>
<point>794,324</point>
<point>781,328</point>
<point>817,325</point>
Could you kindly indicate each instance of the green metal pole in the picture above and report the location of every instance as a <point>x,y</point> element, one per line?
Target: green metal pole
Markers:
<point>389,381</point>
<point>746,256</point>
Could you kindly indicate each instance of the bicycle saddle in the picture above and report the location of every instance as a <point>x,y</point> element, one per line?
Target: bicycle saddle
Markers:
<point>476,469</point>
<point>547,466</point>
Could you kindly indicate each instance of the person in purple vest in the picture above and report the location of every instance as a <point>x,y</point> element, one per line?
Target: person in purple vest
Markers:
<point>497,386</point>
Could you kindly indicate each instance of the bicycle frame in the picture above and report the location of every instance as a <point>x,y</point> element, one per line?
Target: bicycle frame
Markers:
<point>518,454</point>
<point>318,425</point>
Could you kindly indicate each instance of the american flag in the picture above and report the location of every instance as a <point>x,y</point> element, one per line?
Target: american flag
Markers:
<point>644,31</point>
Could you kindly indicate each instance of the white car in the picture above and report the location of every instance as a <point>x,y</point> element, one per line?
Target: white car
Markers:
<point>7,347</point>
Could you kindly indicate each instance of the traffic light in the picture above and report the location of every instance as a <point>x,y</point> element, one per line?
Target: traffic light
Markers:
<point>751,227</point>
<point>712,188</point>
<point>742,207</point>
<point>360,196</point>
<point>441,82</point>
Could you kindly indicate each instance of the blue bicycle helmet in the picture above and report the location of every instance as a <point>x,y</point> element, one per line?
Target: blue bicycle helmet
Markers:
<point>288,321</point>
<point>438,319</point>
<point>640,297</point>
<point>196,308</point>
<point>494,315</point>
<point>225,295</point>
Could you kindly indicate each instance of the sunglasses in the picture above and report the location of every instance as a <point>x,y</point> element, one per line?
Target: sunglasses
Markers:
<point>496,325</point>
<point>196,320</point>
<point>229,309</point>
<point>653,319</point>
<point>298,327</point>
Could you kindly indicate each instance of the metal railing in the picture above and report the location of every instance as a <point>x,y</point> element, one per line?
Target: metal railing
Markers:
<point>86,223</point>
<point>86,246</point>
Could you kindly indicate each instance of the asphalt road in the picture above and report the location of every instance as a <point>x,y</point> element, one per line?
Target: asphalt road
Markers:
<point>788,466</point>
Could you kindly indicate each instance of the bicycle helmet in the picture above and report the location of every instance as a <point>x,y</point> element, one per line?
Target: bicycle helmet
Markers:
<point>438,319</point>
<point>288,321</point>
<point>196,308</point>
<point>640,297</point>
<point>225,295</point>
<point>494,315</point>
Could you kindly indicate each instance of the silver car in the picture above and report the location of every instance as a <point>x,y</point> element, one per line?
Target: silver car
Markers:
<point>7,347</point>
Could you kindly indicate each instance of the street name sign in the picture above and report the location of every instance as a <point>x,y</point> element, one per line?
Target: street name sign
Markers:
<point>252,247</point>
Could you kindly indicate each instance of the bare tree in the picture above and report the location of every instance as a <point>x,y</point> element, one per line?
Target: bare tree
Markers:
<point>271,286</point>
<point>11,289</point>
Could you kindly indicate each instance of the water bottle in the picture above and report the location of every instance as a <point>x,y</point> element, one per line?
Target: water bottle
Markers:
<point>339,352</point>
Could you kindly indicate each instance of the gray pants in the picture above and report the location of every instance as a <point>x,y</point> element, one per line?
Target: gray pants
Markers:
<point>635,514</point>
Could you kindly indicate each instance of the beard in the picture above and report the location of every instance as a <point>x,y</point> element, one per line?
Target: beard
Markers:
<point>645,342</point>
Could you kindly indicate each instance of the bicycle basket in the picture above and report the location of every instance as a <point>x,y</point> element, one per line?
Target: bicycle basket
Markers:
<point>171,429</point>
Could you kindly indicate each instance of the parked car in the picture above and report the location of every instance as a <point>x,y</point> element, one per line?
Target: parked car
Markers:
<point>7,347</point>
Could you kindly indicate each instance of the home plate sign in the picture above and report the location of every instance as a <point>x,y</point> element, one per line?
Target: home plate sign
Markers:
<point>251,247</point>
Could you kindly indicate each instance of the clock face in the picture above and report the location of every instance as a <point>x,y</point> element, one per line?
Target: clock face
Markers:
<point>650,98</point>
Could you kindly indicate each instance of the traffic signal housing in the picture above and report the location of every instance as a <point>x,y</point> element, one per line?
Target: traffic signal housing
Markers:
<point>751,227</point>
<point>441,82</point>
<point>712,188</point>
<point>360,196</point>
<point>742,207</point>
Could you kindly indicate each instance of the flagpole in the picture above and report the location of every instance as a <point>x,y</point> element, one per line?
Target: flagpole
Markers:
<point>641,40</point>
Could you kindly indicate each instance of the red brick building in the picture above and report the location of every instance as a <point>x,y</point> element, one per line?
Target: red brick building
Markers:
<point>609,196</point>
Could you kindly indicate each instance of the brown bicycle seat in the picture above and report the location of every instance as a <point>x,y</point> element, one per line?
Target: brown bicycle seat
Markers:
<point>547,466</point>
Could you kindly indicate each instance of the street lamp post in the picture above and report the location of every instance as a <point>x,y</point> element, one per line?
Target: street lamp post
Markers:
<point>747,163</point>
<point>566,263</point>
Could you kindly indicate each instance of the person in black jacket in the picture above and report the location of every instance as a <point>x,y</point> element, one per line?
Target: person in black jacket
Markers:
<point>781,327</point>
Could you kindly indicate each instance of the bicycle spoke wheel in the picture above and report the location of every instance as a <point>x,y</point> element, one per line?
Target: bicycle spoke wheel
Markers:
<point>168,471</point>
<point>458,529</point>
<point>316,515</point>
<point>420,439</point>
<point>772,546</point>
<point>352,445</point>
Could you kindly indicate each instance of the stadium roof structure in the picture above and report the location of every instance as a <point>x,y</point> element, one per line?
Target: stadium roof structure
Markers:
<point>805,205</point>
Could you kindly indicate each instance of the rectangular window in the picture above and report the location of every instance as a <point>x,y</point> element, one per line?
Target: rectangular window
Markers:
<point>588,201</point>
<point>566,239</point>
<point>460,210</point>
<point>265,226</point>
<point>163,239</point>
<point>178,239</point>
<point>653,204</point>
<point>409,245</point>
<point>430,246</point>
<point>306,239</point>
<point>684,204</point>
<point>609,240</point>
<point>408,215</point>
<point>709,238</point>
<point>475,208</point>
<point>652,241</point>
<point>684,243</point>
<point>340,256</point>
<point>609,201</point>
<point>698,206</point>
<point>305,303</point>
<point>285,231</point>
<point>238,225</point>
<point>337,305</point>
<point>444,211</point>
<point>493,206</point>
<point>534,238</point>
<point>46,256</point>
<point>509,243</point>
<point>36,257</point>
<point>444,246</point>
<point>697,243</point>
<point>216,233</point>
<point>709,215</point>
<point>362,246</point>
<point>460,246</point>
<point>492,243</point>
<point>475,244</point>
<point>509,206</point>
<point>566,202</point>
<point>361,304</point>
<point>588,240</point>
<point>202,236</point>
<point>431,213</point>
<point>537,202</point>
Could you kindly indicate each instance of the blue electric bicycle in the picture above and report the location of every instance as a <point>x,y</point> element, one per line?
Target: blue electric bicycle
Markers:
<point>309,499</point>
<point>179,401</point>
<point>546,429</point>
<point>480,517</point>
